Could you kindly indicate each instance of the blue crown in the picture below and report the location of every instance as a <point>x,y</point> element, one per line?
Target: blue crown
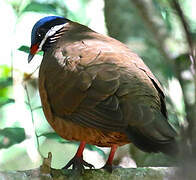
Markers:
<point>43,21</point>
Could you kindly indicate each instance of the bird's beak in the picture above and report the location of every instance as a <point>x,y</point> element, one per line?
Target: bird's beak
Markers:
<point>30,57</point>
<point>33,50</point>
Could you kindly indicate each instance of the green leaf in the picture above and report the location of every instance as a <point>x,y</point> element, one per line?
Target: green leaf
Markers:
<point>5,71</point>
<point>40,8</point>
<point>26,49</point>
<point>5,82</point>
<point>183,62</point>
<point>5,87</point>
<point>11,136</point>
<point>5,100</point>
<point>95,148</point>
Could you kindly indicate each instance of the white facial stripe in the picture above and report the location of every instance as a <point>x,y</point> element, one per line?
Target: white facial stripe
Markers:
<point>51,32</point>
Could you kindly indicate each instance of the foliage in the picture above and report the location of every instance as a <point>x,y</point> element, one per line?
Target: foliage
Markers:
<point>11,136</point>
<point>40,8</point>
<point>5,83</point>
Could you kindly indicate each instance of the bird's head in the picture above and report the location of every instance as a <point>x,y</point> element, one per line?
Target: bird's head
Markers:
<point>44,33</point>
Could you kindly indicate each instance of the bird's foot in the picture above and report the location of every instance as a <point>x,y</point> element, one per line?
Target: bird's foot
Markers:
<point>78,164</point>
<point>109,167</point>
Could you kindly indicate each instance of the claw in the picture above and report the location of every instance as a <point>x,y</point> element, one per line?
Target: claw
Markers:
<point>110,167</point>
<point>77,161</point>
<point>78,164</point>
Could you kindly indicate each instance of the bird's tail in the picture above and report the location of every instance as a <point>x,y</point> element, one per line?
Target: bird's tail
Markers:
<point>155,136</point>
<point>149,144</point>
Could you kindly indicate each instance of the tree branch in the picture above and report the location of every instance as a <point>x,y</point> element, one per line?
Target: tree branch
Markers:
<point>146,11</point>
<point>157,173</point>
<point>186,27</point>
<point>175,4</point>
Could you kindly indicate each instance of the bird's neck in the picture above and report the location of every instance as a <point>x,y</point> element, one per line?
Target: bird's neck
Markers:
<point>71,32</point>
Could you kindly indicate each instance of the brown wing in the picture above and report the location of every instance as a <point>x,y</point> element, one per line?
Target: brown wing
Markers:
<point>100,107</point>
<point>85,96</point>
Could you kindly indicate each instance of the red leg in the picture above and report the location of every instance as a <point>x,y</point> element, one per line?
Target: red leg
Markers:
<point>111,155</point>
<point>77,161</point>
<point>80,149</point>
<point>108,166</point>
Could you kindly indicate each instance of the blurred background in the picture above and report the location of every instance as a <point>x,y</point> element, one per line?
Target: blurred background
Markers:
<point>151,28</point>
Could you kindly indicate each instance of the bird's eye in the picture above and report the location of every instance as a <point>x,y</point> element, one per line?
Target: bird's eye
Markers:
<point>41,32</point>
<point>38,34</point>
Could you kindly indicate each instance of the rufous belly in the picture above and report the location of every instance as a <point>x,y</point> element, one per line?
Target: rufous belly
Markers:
<point>75,132</point>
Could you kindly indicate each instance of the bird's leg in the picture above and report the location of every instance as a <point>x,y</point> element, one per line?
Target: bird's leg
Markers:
<point>77,161</point>
<point>108,166</point>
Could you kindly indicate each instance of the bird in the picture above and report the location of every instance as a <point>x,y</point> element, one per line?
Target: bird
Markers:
<point>95,90</point>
